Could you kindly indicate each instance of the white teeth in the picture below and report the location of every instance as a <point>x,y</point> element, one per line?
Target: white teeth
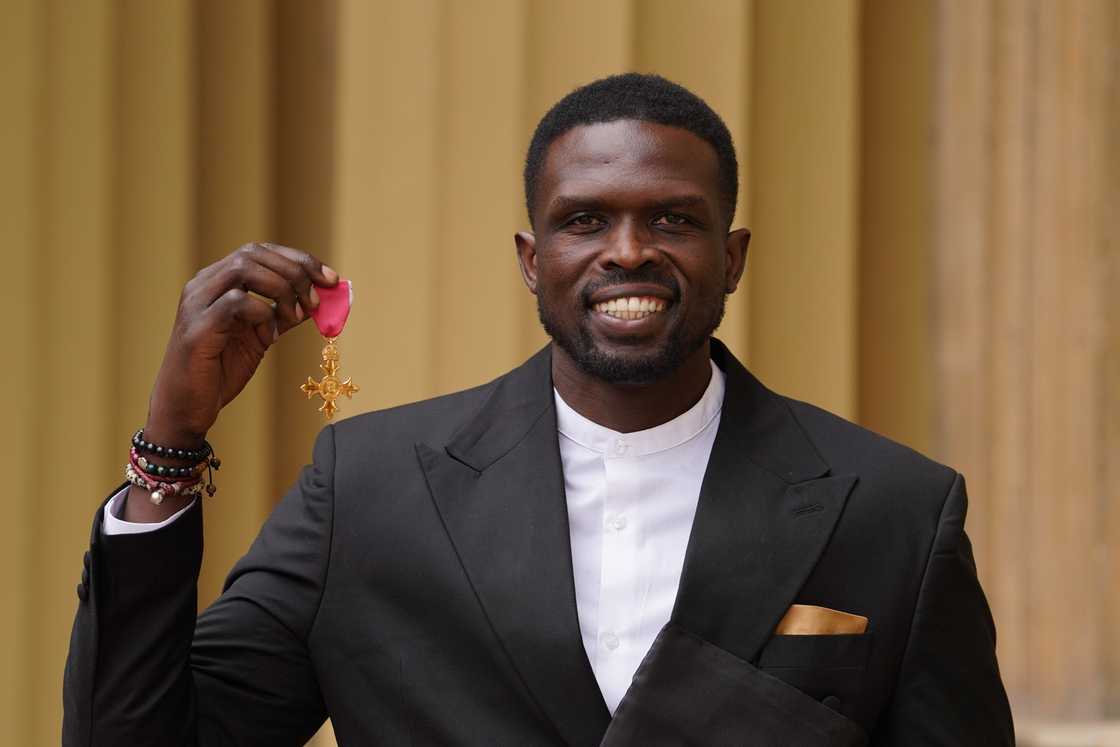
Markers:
<point>632,307</point>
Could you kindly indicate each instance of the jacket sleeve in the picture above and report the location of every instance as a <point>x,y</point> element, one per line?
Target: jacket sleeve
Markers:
<point>949,690</point>
<point>144,670</point>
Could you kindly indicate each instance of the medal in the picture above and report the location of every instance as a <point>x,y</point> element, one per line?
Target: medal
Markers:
<point>330,317</point>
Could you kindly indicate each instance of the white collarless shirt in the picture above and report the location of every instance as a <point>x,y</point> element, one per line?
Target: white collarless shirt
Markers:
<point>631,501</point>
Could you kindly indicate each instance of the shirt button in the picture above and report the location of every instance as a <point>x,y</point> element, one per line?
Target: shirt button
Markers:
<point>616,522</point>
<point>620,447</point>
<point>610,640</point>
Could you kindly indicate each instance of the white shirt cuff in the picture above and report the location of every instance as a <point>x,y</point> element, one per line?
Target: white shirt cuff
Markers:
<point>110,524</point>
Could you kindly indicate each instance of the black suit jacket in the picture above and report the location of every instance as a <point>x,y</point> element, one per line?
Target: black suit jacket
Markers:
<point>416,586</point>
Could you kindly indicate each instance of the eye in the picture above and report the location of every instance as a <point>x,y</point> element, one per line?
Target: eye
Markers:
<point>671,219</point>
<point>585,220</point>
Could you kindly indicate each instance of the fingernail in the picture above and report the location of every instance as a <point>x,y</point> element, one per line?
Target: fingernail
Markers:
<point>275,332</point>
<point>299,310</point>
<point>314,297</point>
<point>330,274</point>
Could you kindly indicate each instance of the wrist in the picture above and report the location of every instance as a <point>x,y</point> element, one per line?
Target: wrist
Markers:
<point>175,416</point>
<point>173,433</point>
<point>138,508</point>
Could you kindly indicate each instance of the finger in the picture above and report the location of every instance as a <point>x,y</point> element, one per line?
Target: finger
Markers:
<point>216,268</point>
<point>296,275</point>
<point>214,279</point>
<point>237,307</point>
<point>197,293</point>
<point>319,273</point>
<point>267,333</point>
<point>245,272</point>
<point>271,330</point>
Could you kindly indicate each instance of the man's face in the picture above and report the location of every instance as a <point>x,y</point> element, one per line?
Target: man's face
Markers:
<point>631,260</point>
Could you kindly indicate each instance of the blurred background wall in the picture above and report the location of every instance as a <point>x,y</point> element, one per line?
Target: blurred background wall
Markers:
<point>933,188</point>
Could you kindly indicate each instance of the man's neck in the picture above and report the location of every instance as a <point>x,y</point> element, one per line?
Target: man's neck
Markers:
<point>631,407</point>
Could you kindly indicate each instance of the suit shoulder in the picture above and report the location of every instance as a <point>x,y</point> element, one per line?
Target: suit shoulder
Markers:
<point>434,419</point>
<point>881,462</point>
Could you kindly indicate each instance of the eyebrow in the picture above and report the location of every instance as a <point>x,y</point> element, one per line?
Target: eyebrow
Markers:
<point>567,203</point>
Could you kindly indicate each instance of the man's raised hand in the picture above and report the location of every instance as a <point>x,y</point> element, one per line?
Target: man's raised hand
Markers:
<point>229,314</point>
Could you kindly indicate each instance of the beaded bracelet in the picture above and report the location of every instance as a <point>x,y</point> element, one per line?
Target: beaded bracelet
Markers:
<point>162,470</point>
<point>161,480</point>
<point>189,455</point>
<point>159,490</point>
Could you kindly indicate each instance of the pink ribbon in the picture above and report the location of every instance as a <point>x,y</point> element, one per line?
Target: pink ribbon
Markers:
<point>334,308</point>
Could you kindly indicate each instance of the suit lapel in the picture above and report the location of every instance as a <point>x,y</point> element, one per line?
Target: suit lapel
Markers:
<point>766,511</point>
<point>499,488</point>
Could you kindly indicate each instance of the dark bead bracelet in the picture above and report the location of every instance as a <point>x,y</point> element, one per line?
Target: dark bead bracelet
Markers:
<point>169,452</point>
<point>180,473</point>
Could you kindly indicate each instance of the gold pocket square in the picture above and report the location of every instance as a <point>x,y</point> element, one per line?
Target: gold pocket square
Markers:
<point>805,619</point>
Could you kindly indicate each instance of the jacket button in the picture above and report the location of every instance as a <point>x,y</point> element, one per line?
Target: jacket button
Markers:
<point>85,559</point>
<point>83,592</point>
<point>85,577</point>
<point>832,702</point>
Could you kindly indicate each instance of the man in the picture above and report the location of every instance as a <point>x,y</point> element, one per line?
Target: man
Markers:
<point>628,540</point>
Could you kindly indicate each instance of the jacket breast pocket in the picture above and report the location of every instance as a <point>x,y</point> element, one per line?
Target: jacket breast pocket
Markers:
<point>829,668</point>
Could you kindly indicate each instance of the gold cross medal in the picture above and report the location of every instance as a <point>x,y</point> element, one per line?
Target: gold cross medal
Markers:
<point>330,317</point>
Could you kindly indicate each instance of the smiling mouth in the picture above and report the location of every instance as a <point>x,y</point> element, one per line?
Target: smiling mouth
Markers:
<point>631,307</point>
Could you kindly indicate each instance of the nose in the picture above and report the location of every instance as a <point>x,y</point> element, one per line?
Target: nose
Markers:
<point>630,247</point>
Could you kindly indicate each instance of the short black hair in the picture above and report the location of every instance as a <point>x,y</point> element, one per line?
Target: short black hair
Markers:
<point>643,97</point>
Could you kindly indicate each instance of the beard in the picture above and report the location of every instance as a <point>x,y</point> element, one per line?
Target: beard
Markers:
<point>682,341</point>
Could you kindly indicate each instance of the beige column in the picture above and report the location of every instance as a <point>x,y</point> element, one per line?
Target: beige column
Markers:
<point>384,228</point>
<point>479,301</point>
<point>962,198</point>
<point>1109,366</point>
<point>1025,258</point>
<point>895,200</point>
<point>22,50</point>
<point>75,322</point>
<point>557,62</point>
<point>803,155</point>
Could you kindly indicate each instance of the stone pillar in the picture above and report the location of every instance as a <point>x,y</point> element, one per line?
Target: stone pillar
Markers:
<point>1026,264</point>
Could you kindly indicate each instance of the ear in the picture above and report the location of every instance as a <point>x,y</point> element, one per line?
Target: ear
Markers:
<point>527,258</point>
<point>736,248</point>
